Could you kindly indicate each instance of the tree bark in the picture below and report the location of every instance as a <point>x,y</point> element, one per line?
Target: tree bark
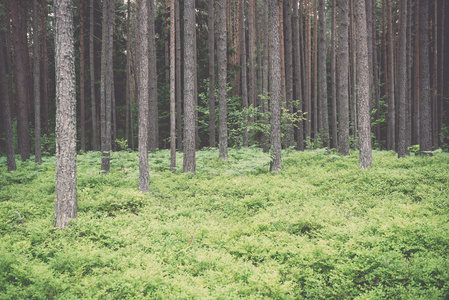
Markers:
<point>128,72</point>
<point>402,65</point>
<point>334,76</point>
<point>391,120</point>
<point>211,37</point>
<point>243,74</point>
<point>416,82</point>
<point>82,78</point>
<point>222,70</point>
<point>153,97</point>
<point>363,79</point>
<point>265,75</point>
<point>178,77</point>
<point>93,102</point>
<point>289,69</point>
<point>44,67</point>
<point>17,14</point>
<point>172,89</point>
<point>315,74</point>
<point>6,108</point>
<point>424,79</point>
<point>189,164</point>
<point>298,73</point>
<point>36,86</point>
<point>66,178</point>
<point>343,134</point>
<point>323,112</point>
<point>275,87</point>
<point>143,14</point>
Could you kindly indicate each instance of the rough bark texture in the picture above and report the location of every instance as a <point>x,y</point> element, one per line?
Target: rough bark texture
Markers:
<point>416,81</point>
<point>36,86</point>
<point>211,37</point>
<point>189,164</point>
<point>66,197</point>
<point>178,77</point>
<point>289,68</point>
<point>275,87</point>
<point>251,49</point>
<point>343,107</point>
<point>93,102</point>
<point>6,109</point>
<point>172,89</point>
<point>424,79</point>
<point>23,137</point>
<point>402,64</point>
<point>322,79</point>
<point>391,119</point>
<point>45,99</point>
<point>334,76</point>
<point>222,61</point>
<point>153,137</point>
<point>266,88</point>
<point>82,79</point>
<point>143,97</point>
<point>128,72</point>
<point>315,73</point>
<point>363,79</point>
<point>243,73</point>
<point>298,73</point>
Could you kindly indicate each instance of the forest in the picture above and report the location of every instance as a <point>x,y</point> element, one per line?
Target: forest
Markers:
<point>229,149</point>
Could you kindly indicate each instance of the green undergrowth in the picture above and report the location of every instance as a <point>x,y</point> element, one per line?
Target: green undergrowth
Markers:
<point>320,229</point>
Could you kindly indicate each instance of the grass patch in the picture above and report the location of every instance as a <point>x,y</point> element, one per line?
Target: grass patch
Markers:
<point>321,229</point>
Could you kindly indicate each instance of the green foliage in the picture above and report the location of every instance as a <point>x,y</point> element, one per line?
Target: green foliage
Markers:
<point>320,229</point>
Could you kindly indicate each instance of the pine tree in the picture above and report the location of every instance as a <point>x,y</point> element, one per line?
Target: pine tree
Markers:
<point>222,61</point>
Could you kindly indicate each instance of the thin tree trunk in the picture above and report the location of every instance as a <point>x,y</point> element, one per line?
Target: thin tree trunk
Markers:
<point>333,76</point>
<point>343,107</point>
<point>251,49</point>
<point>289,69</point>
<point>243,71</point>
<point>416,84</point>
<point>363,79</point>
<point>402,69</point>
<point>275,87</point>
<point>178,77</point>
<point>44,67</point>
<point>298,73</point>
<point>408,141</point>
<point>265,138</point>
<point>259,55</point>
<point>375,65</point>
<point>36,86</point>
<point>308,84</point>
<point>172,89</point>
<point>391,123</point>
<point>424,79</point>
<point>315,74</point>
<point>435,117</point>
<point>322,80</point>
<point>82,78</point>
<point>6,109</point>
<point>21,79</point>
<point>143,13</point>
<point>282,45</point>
<point>153,107</point>
<point>93,102</point>
<point>189,164</point>
<point>128,71</point>
<point>66,180</point>
<point>211,37</point>
<point>353,75</point>
<point>222,61</point>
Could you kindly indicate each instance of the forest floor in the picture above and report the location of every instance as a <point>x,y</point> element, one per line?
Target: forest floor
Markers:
<point>321,229</point>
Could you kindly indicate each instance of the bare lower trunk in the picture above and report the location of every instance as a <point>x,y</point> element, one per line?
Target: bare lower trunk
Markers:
<point>402,86</point>
<point>211,27</point>
<point>36,86</point>
<point>323,112</point>
<point>222,61</point>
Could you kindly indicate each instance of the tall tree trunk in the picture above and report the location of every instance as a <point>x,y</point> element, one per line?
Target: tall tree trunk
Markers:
<point>416,82</point>
<point>82,78</point>
<point>375,65</point>
<point>324,119</point>
<point>408,141</point>
<point>66,198</point>
<point>17,13</point>
<point>178,77</point>
<point>334,76</point>
<point>243,70</point>
<point>172,89</point>
<point>211,37</point>
<point>275,87</point>
<point>143,14</point>
<point>93,102</point>
<point>402,65</point>
<point>259,55</point>
<point>265,80</point>
<point>128,71</point>
<point>251,49</point>
<point>6,108</point>
<point>308,83</point>
<point>343,107</point>
<point>315,72</point>
<point>424,79</point>
<point>353,75</point>
<point>435,61</point>
<point>289,69</point>
<point>298,73</point>
<point>189,164</point>
<point>363,79</point>
<point>222,61</point>
<point>391,120</point>
<point>44,68</point>
<point>36,86</point>
<point>153,107</point>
